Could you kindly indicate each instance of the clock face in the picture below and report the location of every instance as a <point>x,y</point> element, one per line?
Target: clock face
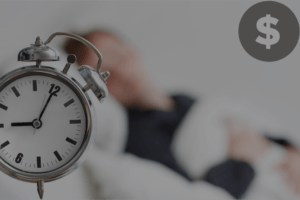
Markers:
<point>42,123</point>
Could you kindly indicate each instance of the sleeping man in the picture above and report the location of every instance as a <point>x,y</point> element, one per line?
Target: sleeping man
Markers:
<point>212,147</point>
<point>153,145</point>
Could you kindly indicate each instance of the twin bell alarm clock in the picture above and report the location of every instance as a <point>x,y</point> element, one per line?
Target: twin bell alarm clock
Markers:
<point>47,120</point>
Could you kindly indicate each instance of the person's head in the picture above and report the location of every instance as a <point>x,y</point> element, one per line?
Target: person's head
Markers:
<point>128,78</point>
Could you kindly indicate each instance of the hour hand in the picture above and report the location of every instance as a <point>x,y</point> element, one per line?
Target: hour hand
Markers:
<point>22,124</point>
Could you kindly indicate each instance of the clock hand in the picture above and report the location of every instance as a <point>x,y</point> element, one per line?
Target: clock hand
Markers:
<point>40,112</point>
<point>22,124</point>
<point>27,123</point>
<point>34,131</point>
<point>45,106</point>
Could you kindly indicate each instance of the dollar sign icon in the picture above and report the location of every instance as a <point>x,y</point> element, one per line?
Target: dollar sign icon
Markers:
<point>264,26</point>
<point>269,31</point>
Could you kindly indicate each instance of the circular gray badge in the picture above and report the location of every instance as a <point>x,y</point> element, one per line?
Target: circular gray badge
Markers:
<point>269,31</point>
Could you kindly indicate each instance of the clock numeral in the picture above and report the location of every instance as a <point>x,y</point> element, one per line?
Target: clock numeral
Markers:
<point>71,141</point>
<point>34,85</point>
<point>19,158</point>
<point>69,103</point>
<point>57,155</point>
<point>38,162</point>
<point>3,106</point>
<point>1,125</point>
<point>57,89</point>
<point>3,145</point>
<point>14,89</point>
<point>75,121</point>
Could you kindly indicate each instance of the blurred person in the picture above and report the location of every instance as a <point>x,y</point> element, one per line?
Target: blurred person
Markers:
<point>155,118</point>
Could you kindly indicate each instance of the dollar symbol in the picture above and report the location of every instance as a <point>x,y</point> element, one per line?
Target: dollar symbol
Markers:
<point>263,25</point>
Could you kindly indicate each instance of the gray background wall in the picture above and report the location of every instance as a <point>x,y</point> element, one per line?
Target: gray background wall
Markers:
<point>187,46</point>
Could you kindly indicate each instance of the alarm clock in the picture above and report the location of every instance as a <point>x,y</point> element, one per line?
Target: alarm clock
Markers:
<point>47,120</point>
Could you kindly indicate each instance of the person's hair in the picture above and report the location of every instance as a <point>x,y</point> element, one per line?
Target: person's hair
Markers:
<point>80,50</point>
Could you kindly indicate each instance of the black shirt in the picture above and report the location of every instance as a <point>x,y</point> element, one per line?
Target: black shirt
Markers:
<point>150,137</point>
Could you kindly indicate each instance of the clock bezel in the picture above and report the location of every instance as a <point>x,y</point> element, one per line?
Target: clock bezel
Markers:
<point>88,140</point>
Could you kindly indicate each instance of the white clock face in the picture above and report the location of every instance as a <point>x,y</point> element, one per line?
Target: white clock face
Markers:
<point>42,124</point>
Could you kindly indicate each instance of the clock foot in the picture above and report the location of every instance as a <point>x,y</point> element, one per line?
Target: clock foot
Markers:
<point>40,188</point>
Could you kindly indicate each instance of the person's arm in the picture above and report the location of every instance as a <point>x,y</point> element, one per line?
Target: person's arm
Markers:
<point>201,141</point>
<point>269,160</point>
<point>234,176</point>
<point>271,181</point>
<point>290,166</point>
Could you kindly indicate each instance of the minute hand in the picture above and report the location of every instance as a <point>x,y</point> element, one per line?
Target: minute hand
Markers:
<point>45,106</point>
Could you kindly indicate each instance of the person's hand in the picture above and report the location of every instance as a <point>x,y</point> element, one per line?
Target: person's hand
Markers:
<point>291,168</point>
<point>244,143</point>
